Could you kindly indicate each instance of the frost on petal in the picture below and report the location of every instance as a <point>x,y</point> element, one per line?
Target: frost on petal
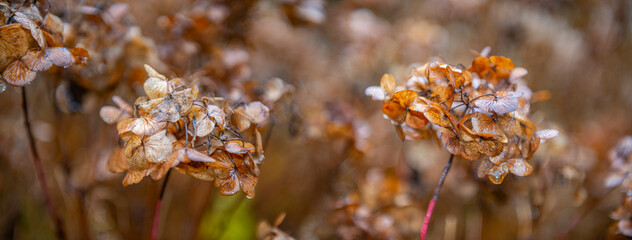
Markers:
<point>375,92</point>
<point>519,167</point>
<point>60,56</point>
<point>547,134</point>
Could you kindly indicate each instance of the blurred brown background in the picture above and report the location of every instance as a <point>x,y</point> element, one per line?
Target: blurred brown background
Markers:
<point>328,144</point>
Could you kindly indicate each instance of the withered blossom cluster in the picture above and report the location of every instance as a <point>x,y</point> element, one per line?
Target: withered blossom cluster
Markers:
<point>480,112</point>
<point>201,137</point>
<point>621,157</point>
<point>31,43</point>
<point>380,206</point>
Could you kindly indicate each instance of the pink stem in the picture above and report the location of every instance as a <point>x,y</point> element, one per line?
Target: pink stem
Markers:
<point>156,225</point>
<point>433,201</point>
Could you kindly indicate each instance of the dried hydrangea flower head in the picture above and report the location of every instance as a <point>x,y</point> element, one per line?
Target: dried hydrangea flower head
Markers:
<point>478,113</point>
<point>621,157</point>
<point>32,43</point>
<point>200,137</point>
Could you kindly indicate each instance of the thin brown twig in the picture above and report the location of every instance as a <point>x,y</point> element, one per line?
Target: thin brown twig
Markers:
<point>41,177</point>
<point>156,225</point>
<point>435,195</point>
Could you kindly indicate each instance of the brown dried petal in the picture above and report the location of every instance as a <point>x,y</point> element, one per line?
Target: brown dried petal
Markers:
<point>112,115</point>
<point>139,126</point>
<point>34,60</point>
<point>117,162</point>
<point>228,186</point>
<point>133,177</point>
<point>157,147</point>
<point>79,56</point>
<point>435,114</point>
<point>156,88</point>
<point>394,111</point>
<point>152,73</point>
<point>54,23</point>
<point>13,43</point>
<point>239,147</point>
<point>240,120</point>
<point>17,74</point>
<point>388,84</point>
<point>32,26</point>
<point>484,168</point>
<point>451,142</point>
<point>256,112</point>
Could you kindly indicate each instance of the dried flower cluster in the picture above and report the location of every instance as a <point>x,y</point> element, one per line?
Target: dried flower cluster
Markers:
<point>476,113</point>
<point>32,43</point>
<point>381,207</point>
<point>621,157</point>
<point>172,128</point>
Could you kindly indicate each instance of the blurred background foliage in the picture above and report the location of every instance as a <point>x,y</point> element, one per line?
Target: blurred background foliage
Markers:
<point>333,164</point>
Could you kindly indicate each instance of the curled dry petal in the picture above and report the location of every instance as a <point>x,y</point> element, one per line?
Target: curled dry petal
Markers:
<point>152,73</point>
<point>134,176</point>
<point>60,56</point>
<point>239,147</point>
<point>396,108</point>
<point>435,114</point>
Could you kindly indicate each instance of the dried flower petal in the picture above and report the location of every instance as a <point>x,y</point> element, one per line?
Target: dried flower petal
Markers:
<point>501,102</point>
<point>17,74</point>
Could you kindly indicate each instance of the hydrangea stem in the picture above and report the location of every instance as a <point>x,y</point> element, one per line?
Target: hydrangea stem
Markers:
<point>154,228</point>
<point>41,177</point>
<point>435,195</point>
